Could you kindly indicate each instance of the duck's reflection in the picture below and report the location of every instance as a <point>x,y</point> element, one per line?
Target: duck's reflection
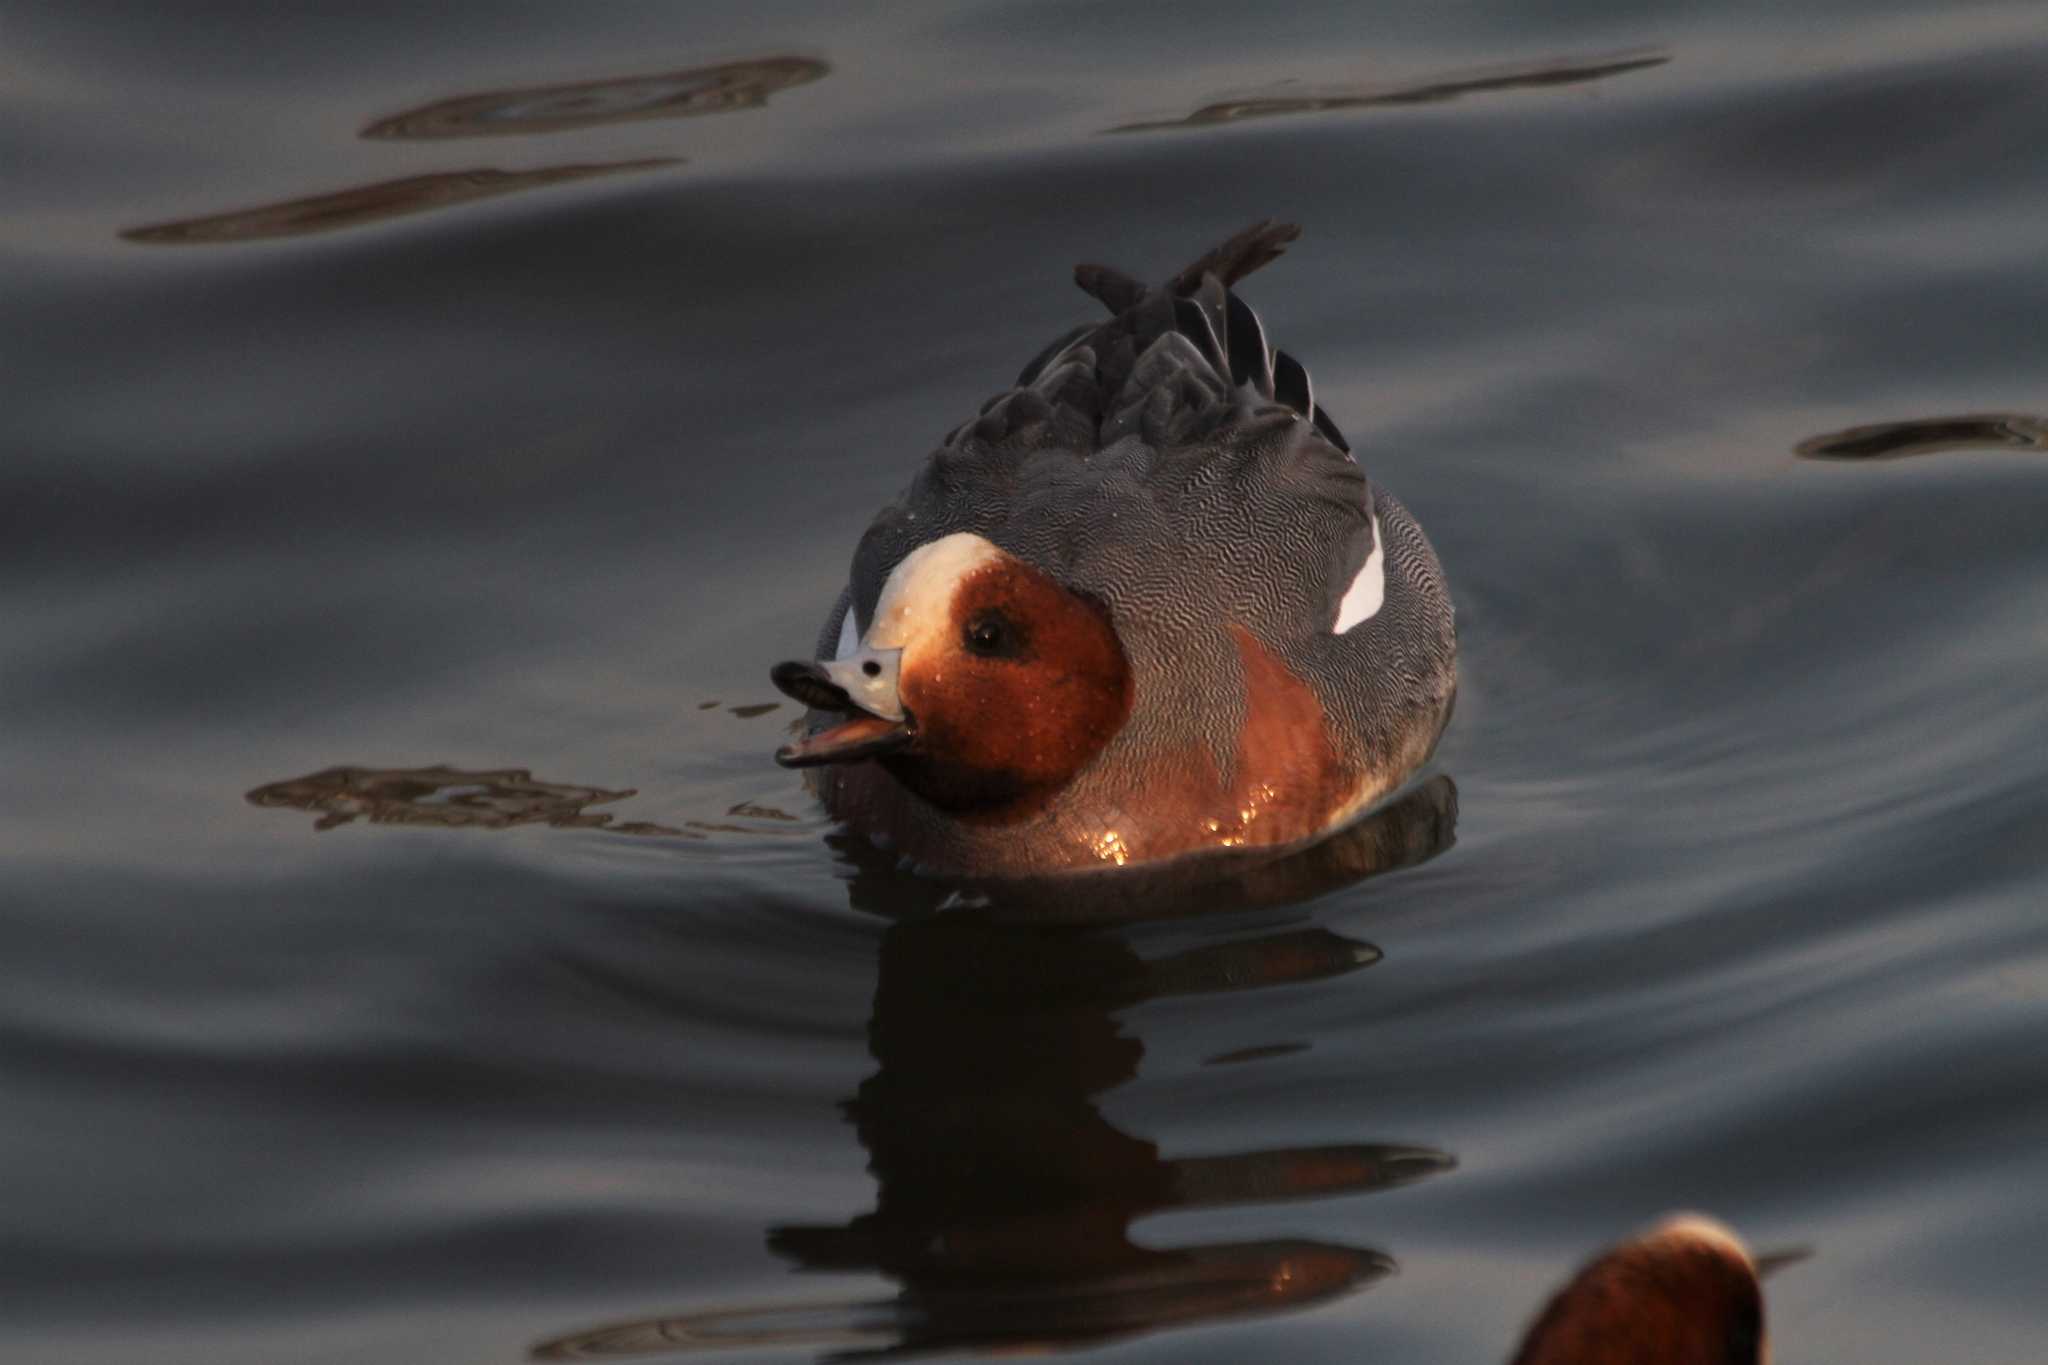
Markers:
<point>1005,1196</point>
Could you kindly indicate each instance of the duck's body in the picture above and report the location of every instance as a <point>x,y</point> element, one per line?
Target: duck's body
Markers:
<point>1144,605</point>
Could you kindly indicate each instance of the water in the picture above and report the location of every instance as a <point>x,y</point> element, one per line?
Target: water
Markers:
<point>518,439</point>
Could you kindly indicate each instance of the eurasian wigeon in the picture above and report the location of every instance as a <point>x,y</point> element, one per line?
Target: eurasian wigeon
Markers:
<point>1145,604</point>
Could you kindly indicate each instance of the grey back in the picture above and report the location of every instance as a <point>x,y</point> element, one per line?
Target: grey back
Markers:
<point>1170,464</point>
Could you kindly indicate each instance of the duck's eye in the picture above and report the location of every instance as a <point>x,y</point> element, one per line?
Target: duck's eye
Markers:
<point>991,635</point>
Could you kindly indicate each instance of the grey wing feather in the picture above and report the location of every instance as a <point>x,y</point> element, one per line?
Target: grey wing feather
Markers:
<point>1177,400</point>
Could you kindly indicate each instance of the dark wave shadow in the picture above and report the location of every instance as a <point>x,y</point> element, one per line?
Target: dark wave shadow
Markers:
<point>721,89</point>
<point>1436,90</point>
<point>1005,1198</point>
<point>451,798</point>
<point>373,203</point>
<point>1929,435</point>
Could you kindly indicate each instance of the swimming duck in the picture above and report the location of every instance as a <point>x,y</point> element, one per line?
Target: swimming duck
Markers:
<point>1143,605</point>
<point>1685,1293</point>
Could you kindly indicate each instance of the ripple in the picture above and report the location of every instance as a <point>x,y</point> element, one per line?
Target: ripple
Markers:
<point>1210,1282</point>
<point>1436,90</point>
<point>1005,1195</point>
<point>1929,435</point>
<point>452,798</point>
<point>721,89</point>
<point>1406,832</point>
<point>373,203</point>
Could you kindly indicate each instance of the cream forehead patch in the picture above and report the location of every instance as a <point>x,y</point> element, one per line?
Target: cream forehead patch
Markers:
<point>1712,1232</point>
<point>918,597</point>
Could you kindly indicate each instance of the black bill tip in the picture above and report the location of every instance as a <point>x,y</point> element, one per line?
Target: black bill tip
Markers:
<point>804,681</point>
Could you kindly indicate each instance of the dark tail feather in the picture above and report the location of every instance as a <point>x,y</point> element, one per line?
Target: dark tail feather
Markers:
<point>1257,245</point>
<point>1240,256</point>
<point>1199,305</point>
<point>1116,290</point>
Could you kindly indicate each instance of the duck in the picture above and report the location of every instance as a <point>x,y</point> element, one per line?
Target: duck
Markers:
<point>1687,1292</point>
<point>1144,605</point>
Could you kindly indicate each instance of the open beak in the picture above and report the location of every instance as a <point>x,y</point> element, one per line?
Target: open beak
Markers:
<point>863,734</point>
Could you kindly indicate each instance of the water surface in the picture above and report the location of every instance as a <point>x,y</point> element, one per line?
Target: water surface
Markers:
<point>438,422</point>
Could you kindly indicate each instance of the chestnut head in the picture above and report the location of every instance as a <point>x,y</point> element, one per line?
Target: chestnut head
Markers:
<point>981,684</point>
<point>1684,1293</point>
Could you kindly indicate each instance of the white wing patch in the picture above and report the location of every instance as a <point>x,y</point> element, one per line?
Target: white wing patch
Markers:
<point>1368,591</point>
<point>849,638</point>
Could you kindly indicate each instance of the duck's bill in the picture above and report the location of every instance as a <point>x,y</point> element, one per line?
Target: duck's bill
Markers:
<point>862,734</point>
<point>810,684</point>
<point>1769,1263</point>
<point>856,737</point>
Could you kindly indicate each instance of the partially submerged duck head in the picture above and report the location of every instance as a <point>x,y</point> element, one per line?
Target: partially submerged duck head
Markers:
<point>1684,1293</point>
